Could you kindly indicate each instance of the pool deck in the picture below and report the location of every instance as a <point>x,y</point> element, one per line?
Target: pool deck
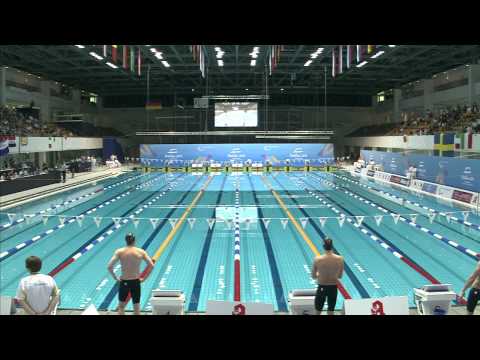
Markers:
<point>454,310</point>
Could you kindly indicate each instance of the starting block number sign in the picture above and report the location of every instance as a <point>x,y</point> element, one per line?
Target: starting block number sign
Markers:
<point>394,305</point>
<point>238,308</point>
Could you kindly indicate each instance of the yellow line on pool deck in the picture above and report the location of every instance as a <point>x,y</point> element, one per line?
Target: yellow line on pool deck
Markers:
<point>292,219</point>
<point>179,223</point>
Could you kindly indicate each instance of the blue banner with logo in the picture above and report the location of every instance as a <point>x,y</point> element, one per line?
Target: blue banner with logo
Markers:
<point>276,154</point>
<point>455,172</point>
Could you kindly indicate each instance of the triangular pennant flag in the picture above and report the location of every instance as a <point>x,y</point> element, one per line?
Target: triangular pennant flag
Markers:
<point>28,218</point>
<point>359,220</point>
<point>431,217</point>
<point>284,223</point>
<point>322,220</point>
<point>414,218</point>
<point>266,222</point>
<point>465,215</point>
<point>154,222</point>
<point>395,218</point>
<point>304,222</point>
<point>210,223</point>
<point>341,220</point>
<point>135,222</point>
<point>61,219</point>
<point>172,222</point>
<point>116,220</point>
<point>229,223</point>
<point>79,220</point>
<point>44,219</point>
<point>11,217</point>
<point>191,222</point>
<point>448,216</point>
<point>97,220</point>
<point>378,219</point>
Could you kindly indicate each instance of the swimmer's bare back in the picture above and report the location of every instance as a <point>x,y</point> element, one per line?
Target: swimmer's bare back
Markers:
<point>328,269</point>
<point>130,259</point>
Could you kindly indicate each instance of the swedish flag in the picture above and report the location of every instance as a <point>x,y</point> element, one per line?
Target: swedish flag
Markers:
<point>444,144</point>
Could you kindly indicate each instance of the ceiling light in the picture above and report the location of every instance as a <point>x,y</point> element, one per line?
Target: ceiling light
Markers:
<point>165,63</point>
<point>308,63</point>
<point>217,49</point>
<point>392,46</point>
<point>282,89</point>
<point>80,46</point>
<point>193,89</point>
<point>246,89</point>
<point>253,62</point>
<point>96,56</point>
<point>314,55</point>
<point>159,56</point>
<point>113,66</point>
<point>220,54</point>
<point>363,63</point>
<point>378,54</point>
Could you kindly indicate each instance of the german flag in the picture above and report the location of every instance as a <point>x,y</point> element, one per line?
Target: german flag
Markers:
<point>153,105</point>
<point>444,144</point>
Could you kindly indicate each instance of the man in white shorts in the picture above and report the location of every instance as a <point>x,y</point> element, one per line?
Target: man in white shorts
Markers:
<point>37,293</point>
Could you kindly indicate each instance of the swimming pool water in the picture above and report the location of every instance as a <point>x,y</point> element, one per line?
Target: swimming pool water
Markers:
<point>275,258</point>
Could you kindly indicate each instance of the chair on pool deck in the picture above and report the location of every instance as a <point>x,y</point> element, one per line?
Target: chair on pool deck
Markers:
<point>302,302</point>
<point>7,306</point>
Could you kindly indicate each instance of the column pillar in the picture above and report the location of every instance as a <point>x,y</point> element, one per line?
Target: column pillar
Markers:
<point>3,87</point>
<point>427,95</point>
<point>397,96</point>
<point>76,98</point>
<point>45,114</point>
<point>473,74</point>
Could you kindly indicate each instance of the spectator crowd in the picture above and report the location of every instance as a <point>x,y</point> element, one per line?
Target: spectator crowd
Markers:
<point>451,119</point>
<point>13,122</point>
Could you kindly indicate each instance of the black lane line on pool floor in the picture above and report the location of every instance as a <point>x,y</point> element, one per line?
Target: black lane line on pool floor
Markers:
<point>277,282</point>
<point>64,211</point>
<point>355,281</point>
<point>114,290</point>
<point>393,246</point>
<point>198,282</point>
<point>435,220</point>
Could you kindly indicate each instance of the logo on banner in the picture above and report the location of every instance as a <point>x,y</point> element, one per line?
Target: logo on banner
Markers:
<point>210,223</point>
<point>378,219</point>
<point>304,222</point>
<point>172,222</point>
<point>322,221</point>
<point>239,309</point>
<point>377,308</point>
<point>11,217</point>
<point>284,223</point>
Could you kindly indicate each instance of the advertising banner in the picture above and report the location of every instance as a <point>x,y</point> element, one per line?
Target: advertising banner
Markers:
<point>394,305</point>
<point>449,171</point>
<point>275,154</point>
<point>238,308</point>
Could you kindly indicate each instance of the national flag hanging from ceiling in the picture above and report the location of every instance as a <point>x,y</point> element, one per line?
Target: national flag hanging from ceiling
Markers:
<point>125,56</point>
<point>334,63</point>
<point>340,59</point>
<point>349,56</point>
<point>139,63</point>
<point>114,53</point>
<point>104,51</point>
<point>359,53</point>
<point>132,59</point>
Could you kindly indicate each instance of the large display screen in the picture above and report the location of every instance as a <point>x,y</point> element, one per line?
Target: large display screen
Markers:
<point>236,114</point>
